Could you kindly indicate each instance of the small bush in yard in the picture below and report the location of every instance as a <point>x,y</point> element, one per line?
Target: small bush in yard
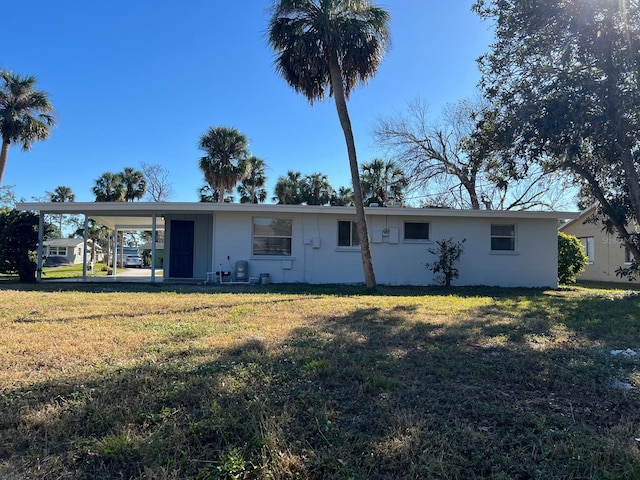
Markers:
<point>571,258</point>
<point>448,253</point>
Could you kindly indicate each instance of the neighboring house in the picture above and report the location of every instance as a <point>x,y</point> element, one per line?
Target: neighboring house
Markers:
<point>68,251</point>
<point>146,253</point>
<point>606,252</point>
<point>314,244</point>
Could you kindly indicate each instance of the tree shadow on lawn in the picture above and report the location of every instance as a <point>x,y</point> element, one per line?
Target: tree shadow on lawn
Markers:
<point>338,290</point>
<point>371,395</point>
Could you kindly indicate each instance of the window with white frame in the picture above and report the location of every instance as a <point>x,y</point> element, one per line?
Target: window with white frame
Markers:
<point>416,230</point>
<point>503,237</point>
<point>57,251</point>
<point>587,244</point>
<point>272,236</point>
<point>348,234</point>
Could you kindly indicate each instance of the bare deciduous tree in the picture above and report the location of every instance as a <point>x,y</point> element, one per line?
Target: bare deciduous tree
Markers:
<point>442,164</point>
<point>159,188</point>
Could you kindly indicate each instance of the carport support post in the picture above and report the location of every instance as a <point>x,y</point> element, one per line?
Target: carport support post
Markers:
<point>115,253</point>
<point>84,252</point>
<point>153,248</point>
<point>40,247</point>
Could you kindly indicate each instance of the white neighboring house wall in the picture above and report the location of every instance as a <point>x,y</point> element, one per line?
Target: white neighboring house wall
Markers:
<point>606,252</point>
<point>72,249</point>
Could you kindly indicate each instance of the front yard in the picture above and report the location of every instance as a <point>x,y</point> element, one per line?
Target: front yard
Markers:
<point>160,382</point>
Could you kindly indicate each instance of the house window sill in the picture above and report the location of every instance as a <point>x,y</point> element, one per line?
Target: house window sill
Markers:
<point>348,249</point>
<point>504,252</point>
<point>271,257</point>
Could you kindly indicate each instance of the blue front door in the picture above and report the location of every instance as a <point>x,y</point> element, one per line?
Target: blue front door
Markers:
<point>181,249</point>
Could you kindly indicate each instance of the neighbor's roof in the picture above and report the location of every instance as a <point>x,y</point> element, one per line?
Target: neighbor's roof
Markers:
<point>64,242</point>
<point>587,212</point>
<point>68,242</point>
<point>138,215</point>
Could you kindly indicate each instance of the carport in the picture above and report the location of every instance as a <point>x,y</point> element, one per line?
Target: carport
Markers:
<point>116,216</point>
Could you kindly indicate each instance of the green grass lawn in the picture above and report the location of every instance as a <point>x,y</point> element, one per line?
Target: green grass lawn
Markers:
<point>160,382</point>
<point>74,271</point>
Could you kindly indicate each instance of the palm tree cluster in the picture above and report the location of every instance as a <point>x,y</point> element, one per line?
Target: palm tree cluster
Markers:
<point>125,186</point>
<point>225,148</point>
<point>252,188</point>
<point>26,114</point>
<point>226,162</point>
<point>313,189</point>
<point>383,183</point>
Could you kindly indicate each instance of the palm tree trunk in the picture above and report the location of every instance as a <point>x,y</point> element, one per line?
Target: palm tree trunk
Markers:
<point>4,153</point>
<point>345,122</point>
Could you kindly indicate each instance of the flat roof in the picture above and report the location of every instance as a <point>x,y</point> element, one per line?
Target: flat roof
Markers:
<point>139,214</point>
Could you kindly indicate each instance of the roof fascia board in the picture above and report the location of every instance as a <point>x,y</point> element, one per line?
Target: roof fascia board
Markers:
<point>134,209</point>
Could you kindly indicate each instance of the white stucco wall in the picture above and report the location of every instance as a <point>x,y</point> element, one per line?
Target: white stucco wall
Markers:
<point>316,257</point>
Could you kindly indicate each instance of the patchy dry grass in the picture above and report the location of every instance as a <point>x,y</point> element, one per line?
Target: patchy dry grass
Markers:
<point>123,381</point>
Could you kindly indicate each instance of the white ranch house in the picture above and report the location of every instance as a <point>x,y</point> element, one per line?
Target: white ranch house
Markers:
<point>316,245</point>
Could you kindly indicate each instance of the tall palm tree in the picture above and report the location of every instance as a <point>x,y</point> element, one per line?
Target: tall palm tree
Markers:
<point>134,183</point>
<point>109,188</point>
<point>327,47</point>
<point>224,149</point>
<point>59,195</point>
<point>383,182</point>
<point>252,187</point>
<point>26,114</point>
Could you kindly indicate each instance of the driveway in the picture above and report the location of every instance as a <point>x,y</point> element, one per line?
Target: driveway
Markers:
<point>138,273</point>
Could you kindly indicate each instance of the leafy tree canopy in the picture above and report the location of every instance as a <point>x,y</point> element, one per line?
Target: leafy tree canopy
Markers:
<point>563,77</point>
<point>18,243</point>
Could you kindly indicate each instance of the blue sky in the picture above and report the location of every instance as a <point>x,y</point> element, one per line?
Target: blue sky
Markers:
<point>140,81</point>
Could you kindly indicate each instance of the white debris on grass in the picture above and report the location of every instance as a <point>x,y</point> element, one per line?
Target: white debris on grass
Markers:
<point>625,353</point>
